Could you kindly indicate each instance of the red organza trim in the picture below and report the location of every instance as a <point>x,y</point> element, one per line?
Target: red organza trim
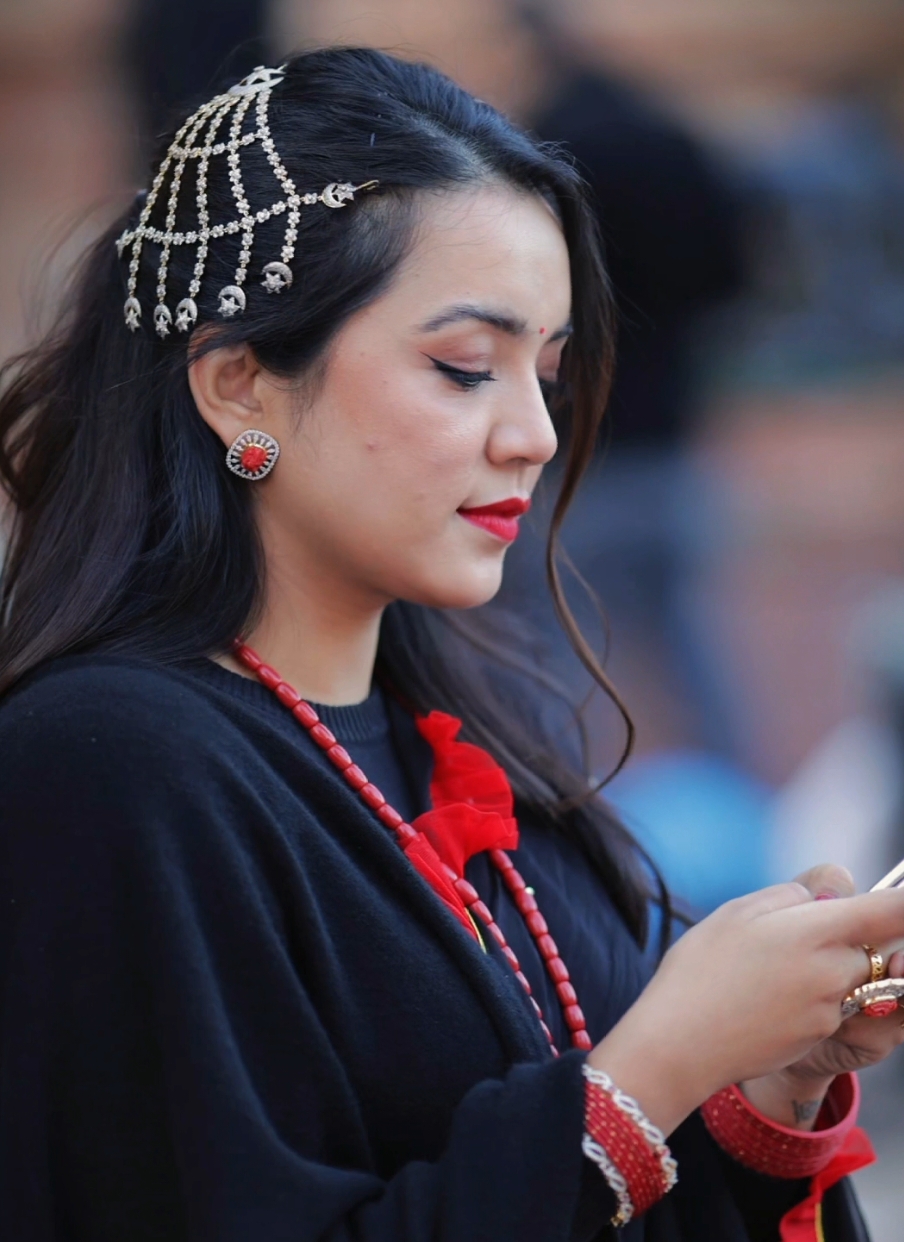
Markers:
<point>804,1222</point>
<point>425,860</point>
<point>472,812</point>
<point>463,772</point>
<point>471,796</point>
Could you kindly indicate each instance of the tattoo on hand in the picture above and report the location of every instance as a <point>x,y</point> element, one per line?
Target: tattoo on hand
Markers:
<point>805,1110</point>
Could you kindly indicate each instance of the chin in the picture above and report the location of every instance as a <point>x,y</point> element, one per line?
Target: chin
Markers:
<point>461,591</point>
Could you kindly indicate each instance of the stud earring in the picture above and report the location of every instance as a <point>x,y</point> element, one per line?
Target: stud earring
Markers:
<point>252,455</point>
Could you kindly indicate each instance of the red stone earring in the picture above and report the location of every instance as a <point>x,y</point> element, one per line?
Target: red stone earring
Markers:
<point>252,455</point>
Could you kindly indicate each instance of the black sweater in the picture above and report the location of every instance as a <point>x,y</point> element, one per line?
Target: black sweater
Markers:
<point>230,1010</point>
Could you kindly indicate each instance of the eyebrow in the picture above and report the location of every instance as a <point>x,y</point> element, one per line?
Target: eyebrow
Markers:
<point>502,321</point>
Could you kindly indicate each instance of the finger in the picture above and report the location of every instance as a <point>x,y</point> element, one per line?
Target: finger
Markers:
<point>896,965</point>
<point>828,880</point>
<point>872,1038</point>
<point>777,897</point>
<point>865,1031</point>
<point>871,918</point>
<point>857,966</point>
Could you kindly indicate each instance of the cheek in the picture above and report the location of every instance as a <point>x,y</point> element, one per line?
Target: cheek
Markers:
<point>410,455</point>
<point>372,492</point>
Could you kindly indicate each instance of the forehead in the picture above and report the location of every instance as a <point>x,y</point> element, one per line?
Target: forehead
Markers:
<point>491,244</point>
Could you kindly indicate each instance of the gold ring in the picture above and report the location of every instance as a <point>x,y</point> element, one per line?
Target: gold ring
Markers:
<point>876,964</point>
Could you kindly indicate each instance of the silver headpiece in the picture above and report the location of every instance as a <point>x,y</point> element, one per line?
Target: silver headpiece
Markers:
<point>197,140</point>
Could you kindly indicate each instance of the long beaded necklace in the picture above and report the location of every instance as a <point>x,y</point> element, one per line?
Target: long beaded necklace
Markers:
<point>405,833</point>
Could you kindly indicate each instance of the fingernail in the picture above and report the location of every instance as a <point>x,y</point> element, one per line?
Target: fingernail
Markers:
<point>828,896</point>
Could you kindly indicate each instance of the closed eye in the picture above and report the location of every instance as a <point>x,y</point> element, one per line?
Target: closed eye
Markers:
<point>468,380</point>
<point>554,393</point>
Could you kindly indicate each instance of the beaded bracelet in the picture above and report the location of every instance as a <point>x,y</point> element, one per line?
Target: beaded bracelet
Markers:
<point>628,1149</point>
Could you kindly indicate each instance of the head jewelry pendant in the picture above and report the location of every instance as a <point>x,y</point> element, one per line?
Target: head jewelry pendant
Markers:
<point>200,140</point>
<point>252,455</point>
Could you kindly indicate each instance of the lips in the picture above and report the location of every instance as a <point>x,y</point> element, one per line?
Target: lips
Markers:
<point>499,519</point>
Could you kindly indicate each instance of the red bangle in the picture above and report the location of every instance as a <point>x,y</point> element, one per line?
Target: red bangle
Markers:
<point>776,1150</point>
<point>627,1147</point>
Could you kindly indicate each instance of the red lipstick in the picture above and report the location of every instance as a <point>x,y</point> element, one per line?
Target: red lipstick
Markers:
<point>499,519</point>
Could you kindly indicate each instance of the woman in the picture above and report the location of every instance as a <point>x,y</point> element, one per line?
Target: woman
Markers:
<point>243,997</point>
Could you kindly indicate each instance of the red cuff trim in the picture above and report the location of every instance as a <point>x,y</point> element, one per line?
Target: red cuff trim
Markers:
<point>776,1150</point>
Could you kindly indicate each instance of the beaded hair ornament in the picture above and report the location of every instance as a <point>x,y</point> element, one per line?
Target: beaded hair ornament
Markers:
<point>199,139</point>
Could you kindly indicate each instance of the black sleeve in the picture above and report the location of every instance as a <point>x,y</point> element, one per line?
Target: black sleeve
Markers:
<point>762,1201</point>
<point>151,1017</point>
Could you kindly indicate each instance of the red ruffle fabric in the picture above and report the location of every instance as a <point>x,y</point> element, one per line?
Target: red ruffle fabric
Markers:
<point>804,1222</point>
<point>471,796</point>
<point>472,811</point>
<point>463,772</point>
<point>425,860</point>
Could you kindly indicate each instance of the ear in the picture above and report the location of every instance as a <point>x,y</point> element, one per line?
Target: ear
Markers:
<point>231,391</point>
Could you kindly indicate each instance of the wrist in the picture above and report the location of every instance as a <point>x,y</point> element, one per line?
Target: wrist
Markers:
<point>652,1072</point>
<point>789,1099</point>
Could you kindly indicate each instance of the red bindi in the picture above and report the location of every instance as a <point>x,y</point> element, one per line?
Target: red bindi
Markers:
<point>542,331</point>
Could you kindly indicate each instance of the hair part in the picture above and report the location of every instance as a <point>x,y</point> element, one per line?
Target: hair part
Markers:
<point>128,535</point>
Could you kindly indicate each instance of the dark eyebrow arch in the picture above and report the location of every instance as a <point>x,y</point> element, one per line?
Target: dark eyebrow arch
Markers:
<point>512,325</point>
<point>500,320</point>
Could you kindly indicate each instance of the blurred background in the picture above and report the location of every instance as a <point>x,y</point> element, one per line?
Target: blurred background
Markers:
<point>744,523</point>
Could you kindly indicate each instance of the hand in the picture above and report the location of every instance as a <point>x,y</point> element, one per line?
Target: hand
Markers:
<point>793,1096</point>
<point>748,992</point>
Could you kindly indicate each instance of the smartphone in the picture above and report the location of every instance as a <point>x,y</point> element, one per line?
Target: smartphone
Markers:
<point>894,879</point>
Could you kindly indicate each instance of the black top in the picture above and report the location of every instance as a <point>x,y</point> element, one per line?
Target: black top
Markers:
<point>231,1011</point>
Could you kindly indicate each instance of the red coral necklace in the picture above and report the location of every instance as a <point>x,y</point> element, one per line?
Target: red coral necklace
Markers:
<point>424,847</point>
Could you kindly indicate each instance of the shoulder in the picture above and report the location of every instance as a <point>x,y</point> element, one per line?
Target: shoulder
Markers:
<point>110,738</point>
<point>127,787</point>
<point>106,700</point>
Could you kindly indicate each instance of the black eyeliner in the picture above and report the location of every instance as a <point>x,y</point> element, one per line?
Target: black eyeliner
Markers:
<point>466,379</point>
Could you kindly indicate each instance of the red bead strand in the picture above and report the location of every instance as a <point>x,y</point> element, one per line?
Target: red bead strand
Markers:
<point>525,901</point>
<point>555,967</point>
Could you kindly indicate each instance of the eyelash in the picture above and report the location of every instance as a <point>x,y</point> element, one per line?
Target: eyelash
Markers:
<point>468,380</point>
<point>552,390</point>
<point>471,380</point>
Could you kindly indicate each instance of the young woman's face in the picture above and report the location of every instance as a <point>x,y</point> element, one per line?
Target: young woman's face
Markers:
<point>431,406</point>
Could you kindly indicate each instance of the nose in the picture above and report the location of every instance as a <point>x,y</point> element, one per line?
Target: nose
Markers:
<point>522,431</point>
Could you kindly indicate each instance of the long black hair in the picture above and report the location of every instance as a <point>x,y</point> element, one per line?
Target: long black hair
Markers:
<point>129,535</point>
